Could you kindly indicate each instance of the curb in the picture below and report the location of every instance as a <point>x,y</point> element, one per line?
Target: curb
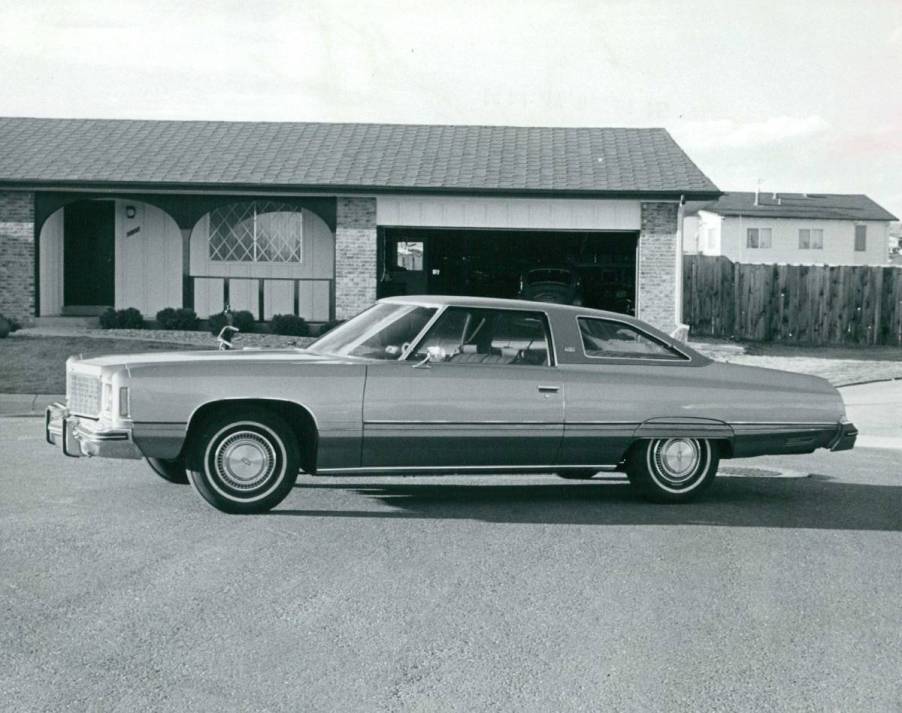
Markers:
<point>27,404</point>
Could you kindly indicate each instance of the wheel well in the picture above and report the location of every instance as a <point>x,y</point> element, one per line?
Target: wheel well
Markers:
<point>298,418</point>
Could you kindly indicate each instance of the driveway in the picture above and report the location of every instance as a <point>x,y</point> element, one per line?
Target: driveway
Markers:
<point>120,592</point>
<point>876,409</point>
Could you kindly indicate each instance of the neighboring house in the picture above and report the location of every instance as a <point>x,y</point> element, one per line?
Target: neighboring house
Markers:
<point>321,219</point>
<point>795,228</point>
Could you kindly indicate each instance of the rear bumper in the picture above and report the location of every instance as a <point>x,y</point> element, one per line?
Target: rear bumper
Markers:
<point>79,437</point>
<point>844,438</point>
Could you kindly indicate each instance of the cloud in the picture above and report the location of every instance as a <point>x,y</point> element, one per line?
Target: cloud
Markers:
<point>895,37</point>
<point>726,133</point>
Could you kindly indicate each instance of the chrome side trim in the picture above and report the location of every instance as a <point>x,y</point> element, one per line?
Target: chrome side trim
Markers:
<point>466,468</point>
<point>443,422</point>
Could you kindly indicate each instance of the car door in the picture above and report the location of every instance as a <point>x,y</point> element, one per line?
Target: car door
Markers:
<point>489,396</point>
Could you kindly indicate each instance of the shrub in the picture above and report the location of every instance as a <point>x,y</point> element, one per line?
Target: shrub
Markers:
<point>328,326</point>
<point>289,325</point>
<point>181,318</point>
<point>5,327</point>
<point>129,318</point>
<point>242,319</point>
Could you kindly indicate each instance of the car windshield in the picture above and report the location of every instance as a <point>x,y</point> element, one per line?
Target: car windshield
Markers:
<point>381,332</point>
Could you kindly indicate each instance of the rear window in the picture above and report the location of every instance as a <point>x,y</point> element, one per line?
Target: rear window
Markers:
<point>605,338</point>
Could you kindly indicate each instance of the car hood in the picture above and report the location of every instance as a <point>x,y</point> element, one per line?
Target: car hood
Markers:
<point>113,361</point>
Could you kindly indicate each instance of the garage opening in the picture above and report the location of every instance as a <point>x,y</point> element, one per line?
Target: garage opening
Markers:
<point>596,269</point>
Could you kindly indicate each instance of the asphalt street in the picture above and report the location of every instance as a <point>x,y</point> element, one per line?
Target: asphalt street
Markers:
<point>120,592</point>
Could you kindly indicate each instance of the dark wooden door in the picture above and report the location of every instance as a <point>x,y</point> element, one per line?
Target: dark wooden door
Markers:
<point>88,254</point>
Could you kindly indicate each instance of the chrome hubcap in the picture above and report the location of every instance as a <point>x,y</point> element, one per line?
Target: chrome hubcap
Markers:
<point>245,460</point>
<point>677,459</point>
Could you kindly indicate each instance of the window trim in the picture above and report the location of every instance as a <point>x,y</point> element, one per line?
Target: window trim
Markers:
<point>759,246</point>
<point>631,360</point>
<point>811,245</point>
<point>552,354</point>
<point>253,203</point>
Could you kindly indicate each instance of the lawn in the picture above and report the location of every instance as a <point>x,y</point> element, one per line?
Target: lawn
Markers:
<point>37,365</point>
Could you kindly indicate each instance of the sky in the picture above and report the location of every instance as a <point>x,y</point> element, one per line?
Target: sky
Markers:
<point>797,95</point>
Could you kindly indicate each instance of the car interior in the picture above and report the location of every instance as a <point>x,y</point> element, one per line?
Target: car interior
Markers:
<point>483,336</point>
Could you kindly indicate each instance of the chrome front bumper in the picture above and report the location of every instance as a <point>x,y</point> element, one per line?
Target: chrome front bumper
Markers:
<point>84,437</point>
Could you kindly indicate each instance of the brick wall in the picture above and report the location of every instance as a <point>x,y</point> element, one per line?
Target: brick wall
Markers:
<point>17,255</point>
<point>657,265</point>
<point>355,256</point>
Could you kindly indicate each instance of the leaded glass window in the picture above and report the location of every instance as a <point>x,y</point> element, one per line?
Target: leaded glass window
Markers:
<point>256,231</point>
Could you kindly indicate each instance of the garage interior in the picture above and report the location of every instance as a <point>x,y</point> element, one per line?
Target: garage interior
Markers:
<point>491,263</point>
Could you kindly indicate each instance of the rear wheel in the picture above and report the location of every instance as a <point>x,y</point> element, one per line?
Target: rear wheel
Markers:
<point>244,464</point>
<point>672,470</point>
<point>169,470</point>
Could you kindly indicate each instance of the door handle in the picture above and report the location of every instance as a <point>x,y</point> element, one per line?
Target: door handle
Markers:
<point>548,389</point>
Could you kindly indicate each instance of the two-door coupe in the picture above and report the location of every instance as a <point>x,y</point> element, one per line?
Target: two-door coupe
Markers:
<point>418,385</point>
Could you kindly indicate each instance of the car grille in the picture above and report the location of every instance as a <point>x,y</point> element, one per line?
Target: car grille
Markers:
<point>83,394</point>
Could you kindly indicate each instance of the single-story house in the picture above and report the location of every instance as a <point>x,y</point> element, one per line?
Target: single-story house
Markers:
<point>320,219</point>
<point>799,228</point>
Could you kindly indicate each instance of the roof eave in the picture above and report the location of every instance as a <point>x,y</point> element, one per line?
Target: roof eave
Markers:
<point>335,189</point>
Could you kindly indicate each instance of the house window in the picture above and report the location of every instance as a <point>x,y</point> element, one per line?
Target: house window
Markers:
<point>861,238</point>
<point>811,239</point>
<point>409,255</point>
<point>758,237</point>
<point>256,231</point>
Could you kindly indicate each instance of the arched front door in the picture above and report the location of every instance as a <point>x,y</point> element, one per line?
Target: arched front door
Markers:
<point>89,268</point>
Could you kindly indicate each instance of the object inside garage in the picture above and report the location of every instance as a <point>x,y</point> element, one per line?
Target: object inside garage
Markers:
<point>492,263</point>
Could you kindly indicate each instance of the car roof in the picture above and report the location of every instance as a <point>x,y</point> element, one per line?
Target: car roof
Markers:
<point>498,303</point>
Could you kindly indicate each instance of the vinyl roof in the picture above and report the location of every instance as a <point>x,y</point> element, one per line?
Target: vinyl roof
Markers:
<point>354,157</point>
<point>821,206</point>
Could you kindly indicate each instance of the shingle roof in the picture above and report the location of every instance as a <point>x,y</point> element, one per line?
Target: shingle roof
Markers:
<point>819,206</point>
<point>356,156</point>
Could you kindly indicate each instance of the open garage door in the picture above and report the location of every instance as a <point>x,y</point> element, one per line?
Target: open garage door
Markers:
<point>496,263</point>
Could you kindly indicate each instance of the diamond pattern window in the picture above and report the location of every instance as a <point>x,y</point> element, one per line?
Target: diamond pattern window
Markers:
<point>256,231</point>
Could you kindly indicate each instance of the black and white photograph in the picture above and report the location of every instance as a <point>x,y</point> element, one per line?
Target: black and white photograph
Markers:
<point>510,356</point>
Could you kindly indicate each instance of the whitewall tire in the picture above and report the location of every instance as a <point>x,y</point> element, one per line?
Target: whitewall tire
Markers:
<point>244,464</point>
<point>672,470</point>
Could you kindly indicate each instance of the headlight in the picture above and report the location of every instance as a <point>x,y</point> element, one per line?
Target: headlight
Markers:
<point>106,400</point>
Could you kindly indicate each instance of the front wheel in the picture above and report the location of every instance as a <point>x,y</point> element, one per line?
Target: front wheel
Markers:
<point>244,464</point>
<point>672,470</point>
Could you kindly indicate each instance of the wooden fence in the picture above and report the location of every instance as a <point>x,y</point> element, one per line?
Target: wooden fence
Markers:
<point>805,304</point>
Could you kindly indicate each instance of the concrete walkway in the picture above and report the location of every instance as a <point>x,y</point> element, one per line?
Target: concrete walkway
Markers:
<point>876,409</point>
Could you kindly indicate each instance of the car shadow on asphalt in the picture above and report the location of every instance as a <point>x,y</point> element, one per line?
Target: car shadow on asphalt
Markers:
<point>815,502</point>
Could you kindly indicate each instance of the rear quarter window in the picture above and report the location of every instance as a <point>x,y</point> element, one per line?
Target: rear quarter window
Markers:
<point>605,338</point>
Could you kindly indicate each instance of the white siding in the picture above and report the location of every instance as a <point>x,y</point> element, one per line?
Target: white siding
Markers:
<point>690,234</point>
<point>208,297</point>
<point>51,265</point>
<point>501,213</point>
<point>148,258</point>
<point>839,242</point>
